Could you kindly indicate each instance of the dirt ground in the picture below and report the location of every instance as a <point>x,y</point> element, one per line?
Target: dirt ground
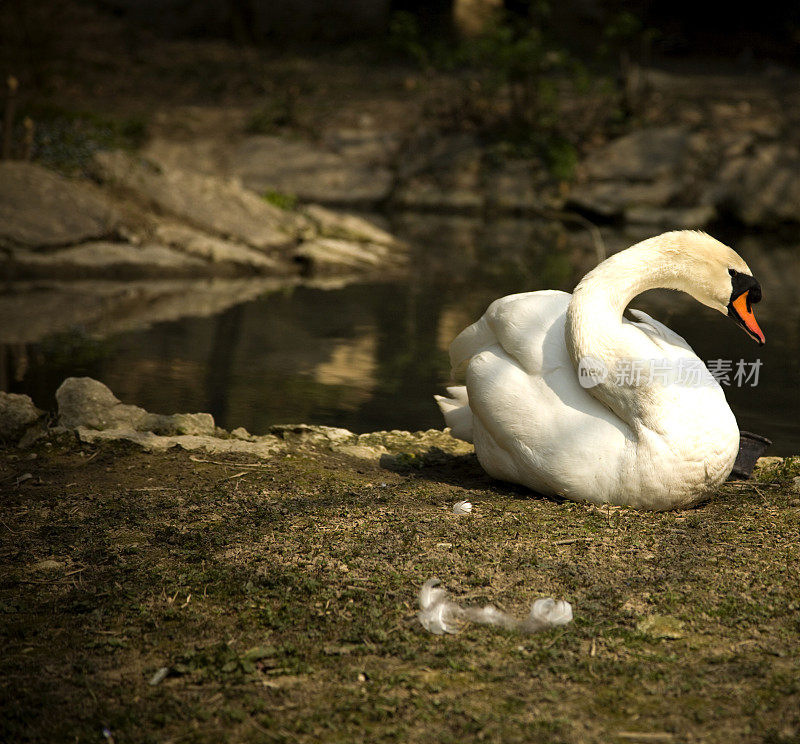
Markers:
<point>279,599</point>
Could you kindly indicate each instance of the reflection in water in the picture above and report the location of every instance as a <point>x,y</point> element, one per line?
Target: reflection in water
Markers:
<point>351,360</point>
<point>364,356</point>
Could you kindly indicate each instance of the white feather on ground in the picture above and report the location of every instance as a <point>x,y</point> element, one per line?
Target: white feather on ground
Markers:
<point>440,615</point>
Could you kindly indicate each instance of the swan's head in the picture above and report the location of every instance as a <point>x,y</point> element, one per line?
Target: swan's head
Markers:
<point>718,277</point>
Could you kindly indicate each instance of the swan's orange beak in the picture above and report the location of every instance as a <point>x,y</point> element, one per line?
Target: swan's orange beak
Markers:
<point>741,311</point>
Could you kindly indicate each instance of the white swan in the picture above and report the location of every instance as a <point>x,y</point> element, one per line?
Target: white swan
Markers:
<point>567,397</point>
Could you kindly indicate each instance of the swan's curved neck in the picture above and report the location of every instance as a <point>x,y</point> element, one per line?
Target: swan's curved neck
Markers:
<point>610,287</point>
<point>594,327</point>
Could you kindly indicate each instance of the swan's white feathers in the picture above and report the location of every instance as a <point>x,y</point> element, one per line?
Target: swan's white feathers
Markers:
<point>656,329</point>
<point>651,446</point>
<point>456,411</point>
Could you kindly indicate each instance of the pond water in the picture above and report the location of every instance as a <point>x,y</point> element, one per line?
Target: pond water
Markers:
<point>370,356</point>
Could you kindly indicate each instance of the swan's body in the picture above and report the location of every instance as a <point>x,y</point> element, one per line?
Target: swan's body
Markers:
<point>659,444</point>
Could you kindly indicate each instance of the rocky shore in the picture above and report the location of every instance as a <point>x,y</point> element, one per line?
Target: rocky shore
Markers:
<point>89,411</point>
<point>140,220</point>
<point>206,196</point>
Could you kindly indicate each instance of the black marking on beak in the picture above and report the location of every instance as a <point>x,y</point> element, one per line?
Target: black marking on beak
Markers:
<point>746,286</point>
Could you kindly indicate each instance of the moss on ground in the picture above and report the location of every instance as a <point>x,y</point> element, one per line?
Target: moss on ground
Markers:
<point>281,597</point>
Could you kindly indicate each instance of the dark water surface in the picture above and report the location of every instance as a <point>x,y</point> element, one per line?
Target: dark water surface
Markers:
<point>370,356</point>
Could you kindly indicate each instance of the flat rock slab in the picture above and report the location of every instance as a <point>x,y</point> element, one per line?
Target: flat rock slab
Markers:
<point>39,208</point>
<point>108,260</point>
<point>213,204</point>
<point>331,255</point>
<point>332,224</point>
<point>216,250</point>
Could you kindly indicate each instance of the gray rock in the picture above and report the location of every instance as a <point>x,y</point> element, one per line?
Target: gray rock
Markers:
<point>330,224</point>
<point>311,434</point>
<point>177,424</point>
<point>331,255</point>
<point>17,413</point>
<point>90,409</point>
<point>613,198</point>
<point>221,206</point>
<point>260,447</point>
<point>639,177</point>
<point>200,152</point>
<point>39,208</point>
<point>216,250</point>
<point>84,402</point>
<point>761,188</point>
<point>308,171</point>
<point>107,260</point>
<point>644,155</point>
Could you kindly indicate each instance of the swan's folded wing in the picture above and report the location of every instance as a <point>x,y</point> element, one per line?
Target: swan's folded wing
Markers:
<point>471,341</point>
<point>521,325</point>
<point>657,330</point>
<point>529,327</point>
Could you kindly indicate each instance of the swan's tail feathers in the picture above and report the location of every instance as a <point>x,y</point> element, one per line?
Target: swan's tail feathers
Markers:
<point>457,413</point>
<point>471,341</point>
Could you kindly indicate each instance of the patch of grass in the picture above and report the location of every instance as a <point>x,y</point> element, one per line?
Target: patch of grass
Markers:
<point>284,601</point>
<point>280,199</point>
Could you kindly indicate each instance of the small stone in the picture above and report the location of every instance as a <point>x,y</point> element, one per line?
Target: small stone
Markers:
<point>363,452</point>
<point>766,463</point>
<point>661,626</point>
<point>194,424</point>
<point>17,413</point>
<point>159,676</point>
<point>84,402</point>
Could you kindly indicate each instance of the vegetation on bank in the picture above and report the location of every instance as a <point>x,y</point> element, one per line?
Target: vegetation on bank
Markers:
<point>181,597</point>
<point>519,81</point>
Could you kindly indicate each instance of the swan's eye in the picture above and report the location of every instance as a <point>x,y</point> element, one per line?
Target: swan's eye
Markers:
<point>732,272</point>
